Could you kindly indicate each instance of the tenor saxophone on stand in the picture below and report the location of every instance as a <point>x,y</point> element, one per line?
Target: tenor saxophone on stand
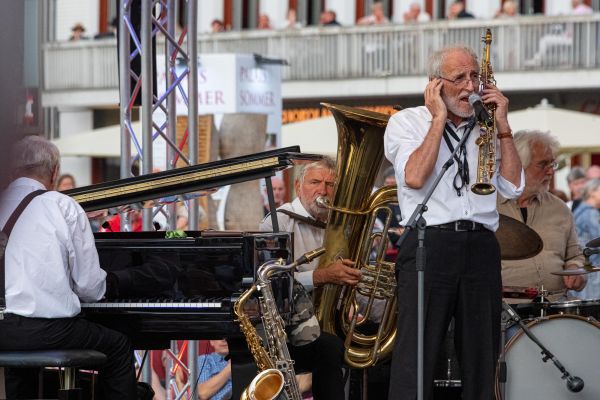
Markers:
<point>274,363</point>
<point>486,160</point>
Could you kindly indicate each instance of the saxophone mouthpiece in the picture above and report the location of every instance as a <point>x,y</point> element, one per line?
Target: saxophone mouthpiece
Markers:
<point>309,256</point>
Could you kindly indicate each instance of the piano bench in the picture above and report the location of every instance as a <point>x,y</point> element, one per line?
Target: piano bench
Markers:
<point>67,361</point>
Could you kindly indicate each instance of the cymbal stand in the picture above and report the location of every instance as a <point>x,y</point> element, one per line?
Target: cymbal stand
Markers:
<point>574,383</point>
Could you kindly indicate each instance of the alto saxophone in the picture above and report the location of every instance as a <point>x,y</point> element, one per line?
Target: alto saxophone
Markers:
<point>486,161</point>
<point>274,363</point>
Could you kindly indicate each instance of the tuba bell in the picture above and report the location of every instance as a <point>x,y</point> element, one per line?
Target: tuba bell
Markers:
<point>349,234</point>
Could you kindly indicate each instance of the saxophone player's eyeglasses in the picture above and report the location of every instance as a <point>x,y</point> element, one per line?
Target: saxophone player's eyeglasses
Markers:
<point>463,79</point>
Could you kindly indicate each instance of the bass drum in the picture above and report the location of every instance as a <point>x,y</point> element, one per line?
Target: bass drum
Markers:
<point>574,341</point>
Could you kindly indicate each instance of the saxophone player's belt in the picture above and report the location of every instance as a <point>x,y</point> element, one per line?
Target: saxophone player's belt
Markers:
<point>460,226</point>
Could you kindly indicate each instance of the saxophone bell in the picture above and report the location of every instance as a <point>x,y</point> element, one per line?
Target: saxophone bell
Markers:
<point>265,386</point>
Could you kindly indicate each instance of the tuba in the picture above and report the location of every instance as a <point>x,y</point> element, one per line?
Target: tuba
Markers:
<point>486,161</point>
<point>349,234</point>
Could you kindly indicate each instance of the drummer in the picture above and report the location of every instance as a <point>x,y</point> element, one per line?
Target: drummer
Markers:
<point>548,216</point>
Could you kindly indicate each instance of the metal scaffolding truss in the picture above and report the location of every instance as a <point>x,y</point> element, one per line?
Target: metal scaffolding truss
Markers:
<point>157,18</point>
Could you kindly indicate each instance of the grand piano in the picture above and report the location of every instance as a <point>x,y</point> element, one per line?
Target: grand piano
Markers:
<point>184,288</point>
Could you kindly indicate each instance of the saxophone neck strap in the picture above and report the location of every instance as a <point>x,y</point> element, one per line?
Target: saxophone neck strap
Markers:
<point>306,220</point>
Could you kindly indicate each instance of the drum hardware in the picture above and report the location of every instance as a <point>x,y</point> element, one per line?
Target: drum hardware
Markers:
<point>517,241</point>
<point>587,267</point>
<point>593,243</point>
<point>574,383</point>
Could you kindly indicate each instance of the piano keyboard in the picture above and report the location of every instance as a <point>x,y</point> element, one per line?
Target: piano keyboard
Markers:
<point>136,305</point>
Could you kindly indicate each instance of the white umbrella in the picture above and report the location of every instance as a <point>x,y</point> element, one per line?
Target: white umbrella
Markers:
<point>576,131</point>
<point>102,142</point>
<point>318,136</point>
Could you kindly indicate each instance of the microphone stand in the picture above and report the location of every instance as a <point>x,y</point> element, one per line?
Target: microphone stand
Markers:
<point>416,220</point>
<point>574,383</point>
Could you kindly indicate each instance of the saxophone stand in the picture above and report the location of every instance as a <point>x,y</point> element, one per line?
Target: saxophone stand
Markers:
<point>417,221</point>
<point>574,383</point>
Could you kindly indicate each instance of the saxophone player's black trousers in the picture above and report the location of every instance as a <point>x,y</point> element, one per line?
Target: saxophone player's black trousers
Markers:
<point>324,358</point>
<point>462,280</point>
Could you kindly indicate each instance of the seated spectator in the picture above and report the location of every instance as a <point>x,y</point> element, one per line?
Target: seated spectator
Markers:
<point>414,14</point>
<point>217,26</point>
<point>77,32</point>
<point>559,40</point>
<point>509,9</point>
<point>65,182</point>
<point>328,18</point>
<point>292,22</point>
<point>457,11</point>
<point>377,16</point>
<point>214,380</point>
<point>264,22</point>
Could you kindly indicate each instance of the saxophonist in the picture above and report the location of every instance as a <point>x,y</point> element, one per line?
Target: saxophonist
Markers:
<point>320,354</point>
<point>462,272</point>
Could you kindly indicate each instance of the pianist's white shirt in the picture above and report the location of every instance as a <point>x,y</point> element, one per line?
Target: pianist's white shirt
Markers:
<point>51,259</point>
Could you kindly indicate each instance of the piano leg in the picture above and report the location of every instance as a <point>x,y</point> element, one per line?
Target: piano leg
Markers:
<point>243,368</point>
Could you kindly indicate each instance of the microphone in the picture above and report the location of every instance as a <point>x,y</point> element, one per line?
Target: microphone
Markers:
<point>574,384</point>
<point>480,112</point>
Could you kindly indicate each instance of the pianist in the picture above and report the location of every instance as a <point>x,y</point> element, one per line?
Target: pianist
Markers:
<point>51,264</point>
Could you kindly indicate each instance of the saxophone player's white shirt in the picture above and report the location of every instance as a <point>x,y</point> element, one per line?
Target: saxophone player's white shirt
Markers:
<point>405,132</point>
<point>306,238</point>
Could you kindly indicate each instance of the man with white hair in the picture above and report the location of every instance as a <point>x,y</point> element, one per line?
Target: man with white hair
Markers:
<point>546,214</point>
<point>51,265</point>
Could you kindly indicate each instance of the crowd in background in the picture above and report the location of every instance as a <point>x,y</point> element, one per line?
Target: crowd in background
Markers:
<point>414,14</point>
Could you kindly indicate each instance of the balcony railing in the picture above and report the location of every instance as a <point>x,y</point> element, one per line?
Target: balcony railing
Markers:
<point>525,43</point>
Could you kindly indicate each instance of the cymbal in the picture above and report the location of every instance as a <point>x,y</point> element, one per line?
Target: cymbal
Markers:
<point>576,271</point>
<point>517,240</point>
<point>593,243</point>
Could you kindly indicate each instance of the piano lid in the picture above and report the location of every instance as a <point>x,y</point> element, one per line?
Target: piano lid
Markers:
<point>188,179</point>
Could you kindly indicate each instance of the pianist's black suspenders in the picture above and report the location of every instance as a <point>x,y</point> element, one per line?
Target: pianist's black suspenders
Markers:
<point>4,238</point>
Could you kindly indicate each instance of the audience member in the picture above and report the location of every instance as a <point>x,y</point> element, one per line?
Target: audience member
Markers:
<point>587,224</point>
<point>414,14</point>
<point>112,30</point>
<point>65,182</point>
<point>593,172</point>
<point>217,26</point>
<point>457,11</point>
<point>291,20</point>
<point>509,9</point>
<point>377,16</point>
<point>77,32</point>
<point>559,40</point>
<point>580,8</point>
<point>278,193</point>
<point>329,18</point>
<point>214,381</point>
<point>264,22</point>
<point>576,180</point>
